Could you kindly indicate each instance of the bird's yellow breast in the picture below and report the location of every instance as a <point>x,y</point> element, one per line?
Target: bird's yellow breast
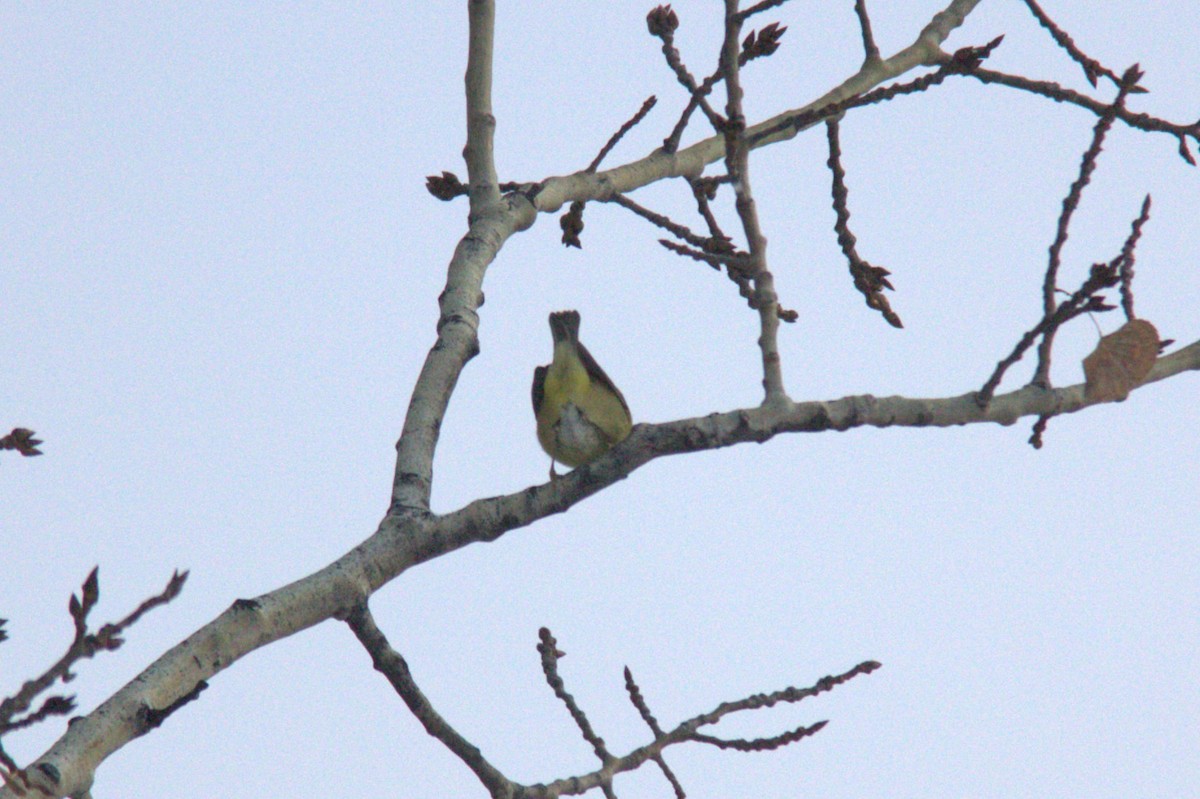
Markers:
<point>579,417</point>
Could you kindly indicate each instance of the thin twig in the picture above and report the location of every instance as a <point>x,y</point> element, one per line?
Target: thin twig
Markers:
<point>1139,121</point>
<point>621,131</point>
<point>870,49</point>
<point>639,702</point>
<point>688,731</point>
<point>758,8</point>
<point>738,263</point>
<point>1039,427</point>
<point>761,744</point>
<point>704,190</point>
<point>1127,259</point>
<point>391,664</point>
<point>1087,166</point>
<point>869,279</point>
<point>666,223</point>
<point>737,164</point>
<point>799,121</point>
<point>1091,67</point>
<point>662,22</point>
<point>548,649</point>
<point>1084,300</point>
<point>83,645</point>
<point>964,62</point>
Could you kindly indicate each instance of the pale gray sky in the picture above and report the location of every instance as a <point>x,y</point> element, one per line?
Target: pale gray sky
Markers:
<point>219,271</point>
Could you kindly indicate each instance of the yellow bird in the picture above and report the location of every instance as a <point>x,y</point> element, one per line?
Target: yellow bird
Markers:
<point>580,413</point>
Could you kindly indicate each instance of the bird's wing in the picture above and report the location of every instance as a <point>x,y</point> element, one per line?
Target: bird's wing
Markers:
<point>539,387</point>
<point>596,373</point>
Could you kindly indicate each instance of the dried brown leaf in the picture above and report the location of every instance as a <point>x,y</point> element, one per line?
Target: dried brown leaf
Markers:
<point>1120,362</point>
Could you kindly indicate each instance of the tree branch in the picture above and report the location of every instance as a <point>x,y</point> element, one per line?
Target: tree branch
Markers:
<point>555,192</point>
<point>1087,166</point>
<point>481,124</point>
<point>405,540</point>
<point>870,280</point>
<point>870,49</point>
<point>391,664</point>
<point>85,644</point>
<point>409,534</point>
<point>737,165</point>
<point>688,731</point>
<point>491,221</point>
<point>488,519</point>
<point>1092,69</point>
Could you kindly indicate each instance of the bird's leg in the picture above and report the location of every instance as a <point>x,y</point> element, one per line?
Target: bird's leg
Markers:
<point>553,474</point>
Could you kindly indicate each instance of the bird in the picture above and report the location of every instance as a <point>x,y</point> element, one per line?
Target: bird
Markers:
<point>580,412</point>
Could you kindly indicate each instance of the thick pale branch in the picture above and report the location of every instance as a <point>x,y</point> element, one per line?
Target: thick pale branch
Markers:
<point>481,124</point>
<point>405,540</point>
<point>409,533</point>
<point>488,519</point>
<point>457,342</point>
<point>690,162</point>
<point>492,220</point>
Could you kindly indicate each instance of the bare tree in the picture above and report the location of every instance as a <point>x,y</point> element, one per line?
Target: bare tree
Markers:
<point>718,166</point>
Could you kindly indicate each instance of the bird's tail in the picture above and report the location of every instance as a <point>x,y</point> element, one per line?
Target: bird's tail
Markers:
<point>564,326</point>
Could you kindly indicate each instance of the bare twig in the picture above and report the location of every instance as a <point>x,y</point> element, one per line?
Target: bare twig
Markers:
<point>789,695</point>
<point>762,744</point>
<point>1127,259</point>
<point>963,62</point>
<point>870,49</point>
<point>703,243</point>
<point>1139,121</point>
<point>737,269</point>
<point>737,164</point>
<point>793,123</point>
<point>548,649</point>
<point>1041,376</point>
<point>85,644</point>
<point>391,664</point>
<point>671,143</point>
<point>869,279</point>
<point>639,702</point>
<point>1092,68</point>
<point>715,250</point>
<point>758,8</point>
<point>625,128</point>
<point>704,190</point>
<point>1039,427</point>
<point>1085,299</point>
<point>738,263</point>
<point>662,23</point>
<point>688,731</point>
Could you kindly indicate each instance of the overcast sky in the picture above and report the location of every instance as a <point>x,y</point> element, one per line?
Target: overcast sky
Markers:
<point>219,271</point>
